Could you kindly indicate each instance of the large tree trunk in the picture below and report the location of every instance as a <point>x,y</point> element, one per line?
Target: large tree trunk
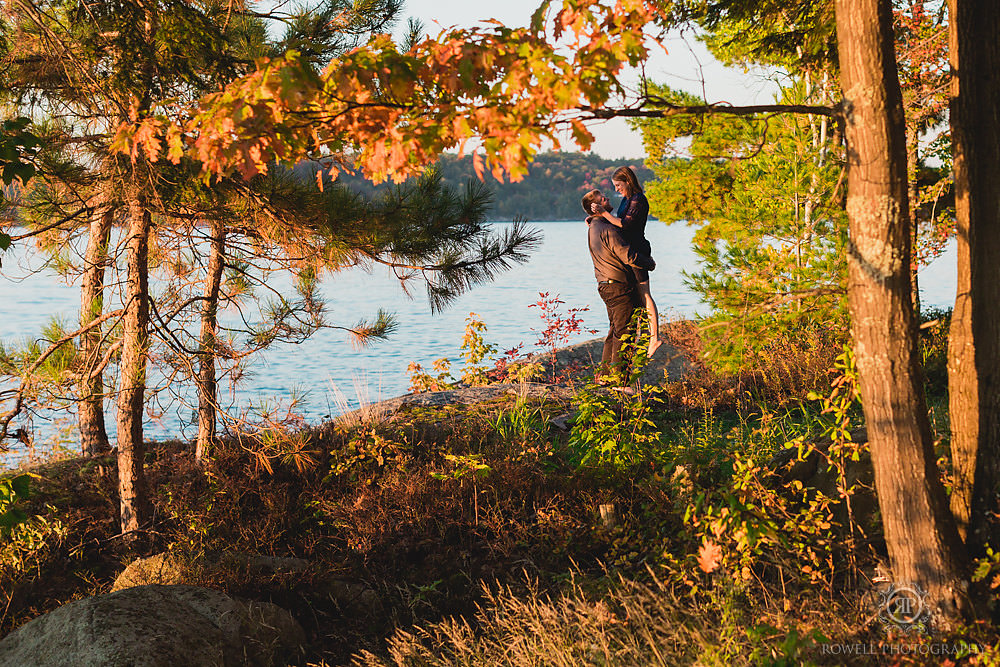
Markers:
<point>920,534</point>
<point>132,389</point>
<point>207,348</point>
<point>90,414</point>
<point>974,346</point>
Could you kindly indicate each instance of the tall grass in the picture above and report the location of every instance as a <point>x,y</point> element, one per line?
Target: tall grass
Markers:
<point>628,622</point>
<point>370,410</point>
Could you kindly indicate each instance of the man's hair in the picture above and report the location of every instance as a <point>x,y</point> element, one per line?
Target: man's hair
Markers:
<point>589,200</point>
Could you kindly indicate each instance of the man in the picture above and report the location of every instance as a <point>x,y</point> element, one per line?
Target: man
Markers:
<point>613,259</point>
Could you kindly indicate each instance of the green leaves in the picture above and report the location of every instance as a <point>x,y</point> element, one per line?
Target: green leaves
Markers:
<point>613,429</point>
<point>796,36</point>
<point>13,490</point>
<point>17,147</point>
<point>464,466</point>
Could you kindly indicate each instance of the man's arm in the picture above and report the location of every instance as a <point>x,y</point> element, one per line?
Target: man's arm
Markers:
<point>607,215</point>
<point>637,208</point>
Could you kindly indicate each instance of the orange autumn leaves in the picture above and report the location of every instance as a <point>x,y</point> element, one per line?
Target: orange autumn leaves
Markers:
<point>510,91</point>
<point>709,556</point>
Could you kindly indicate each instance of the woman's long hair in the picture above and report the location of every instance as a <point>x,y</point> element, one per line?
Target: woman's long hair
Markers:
<point>627,176</point>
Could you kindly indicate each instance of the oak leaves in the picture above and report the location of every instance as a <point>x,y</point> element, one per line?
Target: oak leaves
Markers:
<point>508,91</point>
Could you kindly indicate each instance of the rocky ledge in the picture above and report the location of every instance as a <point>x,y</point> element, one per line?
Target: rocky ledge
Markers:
<point>572,365</point>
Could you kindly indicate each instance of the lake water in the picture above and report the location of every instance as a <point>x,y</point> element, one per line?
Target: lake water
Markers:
<point>327,365</point>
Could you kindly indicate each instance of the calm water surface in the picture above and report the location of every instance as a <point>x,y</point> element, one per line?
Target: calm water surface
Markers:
<point>327,366</point>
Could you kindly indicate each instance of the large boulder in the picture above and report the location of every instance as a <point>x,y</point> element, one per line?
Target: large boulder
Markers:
<point>156,626</point>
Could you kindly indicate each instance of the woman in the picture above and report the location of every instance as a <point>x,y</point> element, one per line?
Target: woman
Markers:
<point>632,214</point>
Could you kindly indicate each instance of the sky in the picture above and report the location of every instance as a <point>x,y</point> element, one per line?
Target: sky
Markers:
<point>686,65</point>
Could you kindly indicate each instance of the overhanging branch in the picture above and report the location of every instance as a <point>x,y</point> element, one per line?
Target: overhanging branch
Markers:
<point>663,109</point>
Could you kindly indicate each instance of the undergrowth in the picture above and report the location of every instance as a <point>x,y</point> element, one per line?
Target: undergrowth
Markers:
<point>716,521</point>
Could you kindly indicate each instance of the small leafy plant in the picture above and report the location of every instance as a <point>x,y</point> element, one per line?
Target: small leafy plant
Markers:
<point>616,428</point>
<point>13,490</point>
<point>612,429</point>
<point>756,521</point>
<point>464,466</point>
<point>365,455</point>
<point>474,350</point>
<point>520,423</point>
<point>512,365</point>
<point>421,380</point>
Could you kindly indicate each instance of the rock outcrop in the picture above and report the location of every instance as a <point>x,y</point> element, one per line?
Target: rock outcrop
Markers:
<point>572,364</point>
<point>156,626</point>
<point>159,569</point>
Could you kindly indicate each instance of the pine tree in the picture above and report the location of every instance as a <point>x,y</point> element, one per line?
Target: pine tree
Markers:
<point>765,197</point>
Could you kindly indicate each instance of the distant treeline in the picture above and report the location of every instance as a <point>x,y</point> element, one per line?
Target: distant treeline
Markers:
<point>551,191</point>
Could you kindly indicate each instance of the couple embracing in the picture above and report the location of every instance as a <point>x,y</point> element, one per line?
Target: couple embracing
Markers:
<point>622,261</point>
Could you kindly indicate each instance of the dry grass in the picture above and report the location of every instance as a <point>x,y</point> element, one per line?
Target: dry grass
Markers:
<point>778,374</point>
<point>632,624</point>
<point>626,622</point>
<point>370,409</point>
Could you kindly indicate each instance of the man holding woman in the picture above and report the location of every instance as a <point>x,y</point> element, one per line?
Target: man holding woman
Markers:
<point>631,218</point>
<point>615,265</point>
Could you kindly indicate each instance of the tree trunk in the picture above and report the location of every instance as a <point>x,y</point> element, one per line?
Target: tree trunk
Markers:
<point>132,384</point>
<point>207,349</point>
<point>974,346</point>
<point>920,534</point>
<point>90,415</point>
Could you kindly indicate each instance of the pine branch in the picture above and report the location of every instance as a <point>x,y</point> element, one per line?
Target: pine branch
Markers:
<point>26,377</point>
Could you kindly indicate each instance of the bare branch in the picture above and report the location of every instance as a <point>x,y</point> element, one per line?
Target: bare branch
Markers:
<point>665,109</point>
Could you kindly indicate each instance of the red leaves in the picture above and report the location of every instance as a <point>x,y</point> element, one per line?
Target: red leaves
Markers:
<point>559,328</point>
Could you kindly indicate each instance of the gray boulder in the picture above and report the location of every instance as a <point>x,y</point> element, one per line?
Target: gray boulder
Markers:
<point>156,626</point>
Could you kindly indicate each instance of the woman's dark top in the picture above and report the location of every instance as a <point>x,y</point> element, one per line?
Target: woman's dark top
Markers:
<point>633,212</point>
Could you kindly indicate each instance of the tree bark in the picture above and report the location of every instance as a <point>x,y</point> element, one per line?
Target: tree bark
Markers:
<point>912,194</point>
<point>974,345</point>
<point>90,414</point>
<point>920,534</point>
<point>132,384</point>
<point>207,388</point>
